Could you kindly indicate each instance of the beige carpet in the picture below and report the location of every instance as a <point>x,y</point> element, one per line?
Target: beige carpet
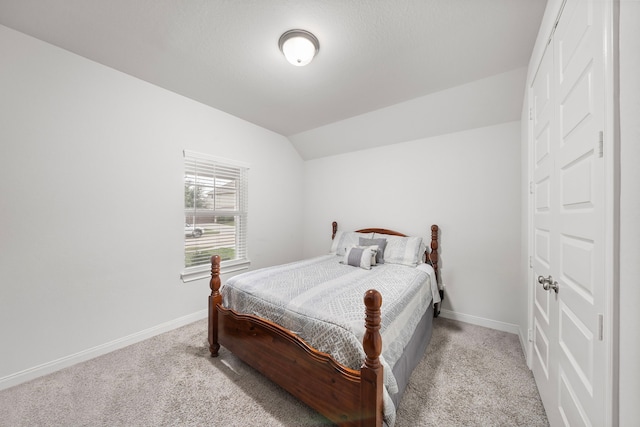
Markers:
<point>470,376</point>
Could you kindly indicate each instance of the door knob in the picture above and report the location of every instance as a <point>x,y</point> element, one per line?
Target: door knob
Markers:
<point>551,285</point>
<point>548,283</point>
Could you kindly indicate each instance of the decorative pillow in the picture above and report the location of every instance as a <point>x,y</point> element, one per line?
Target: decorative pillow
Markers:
<point>402,250</point>
<point>375,249</point>
<point>380,243</point>
<point>345,239</point>
<point>359,256</point>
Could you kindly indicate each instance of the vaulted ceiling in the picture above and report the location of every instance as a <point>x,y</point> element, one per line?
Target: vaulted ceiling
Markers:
<point>374,54</point>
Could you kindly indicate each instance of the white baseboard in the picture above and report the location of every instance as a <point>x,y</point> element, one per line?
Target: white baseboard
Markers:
<point>64,362</point>
<point>526,346</point>
<point>481,321</point>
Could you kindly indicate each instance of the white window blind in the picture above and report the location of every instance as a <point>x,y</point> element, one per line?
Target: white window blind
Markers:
<point>215,210</point>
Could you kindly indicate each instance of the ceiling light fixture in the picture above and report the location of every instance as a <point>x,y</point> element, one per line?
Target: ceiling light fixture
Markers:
<point>299,46</point>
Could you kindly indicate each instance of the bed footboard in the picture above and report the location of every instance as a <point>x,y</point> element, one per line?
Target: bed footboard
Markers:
<point>345,396</point>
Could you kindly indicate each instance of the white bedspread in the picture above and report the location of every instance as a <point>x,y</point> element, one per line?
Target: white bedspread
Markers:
<point>321,300</point>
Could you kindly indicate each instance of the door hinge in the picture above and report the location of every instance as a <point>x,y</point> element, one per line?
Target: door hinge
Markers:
<point>600,326</point>
<point>530,113</point>
<point>530,261</point>
<point>601,144</point>
<point>530,187</point>
<point>530,335</point>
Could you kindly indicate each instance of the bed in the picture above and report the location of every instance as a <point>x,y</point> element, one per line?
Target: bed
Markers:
<point>282,321</point>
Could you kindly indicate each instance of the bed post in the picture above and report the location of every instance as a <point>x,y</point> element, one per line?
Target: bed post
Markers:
<point>371,372</point>
<point>334,228</point>
<point>214,299</point>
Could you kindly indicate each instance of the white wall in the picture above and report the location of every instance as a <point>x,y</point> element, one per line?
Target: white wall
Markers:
<point>629,212</point>
<point>466,182</point>
<point>91,223</point>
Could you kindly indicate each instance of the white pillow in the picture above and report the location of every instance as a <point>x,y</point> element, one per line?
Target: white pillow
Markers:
<point>346,239</point>
<point>402,250</point>
<point>423,250</point>
<point>374,252</point>
<point>359,256</point>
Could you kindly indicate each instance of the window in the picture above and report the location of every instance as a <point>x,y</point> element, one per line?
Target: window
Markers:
<point>215,212</point>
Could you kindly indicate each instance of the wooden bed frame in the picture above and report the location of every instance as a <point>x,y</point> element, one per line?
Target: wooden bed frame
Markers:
<point>345,396</point>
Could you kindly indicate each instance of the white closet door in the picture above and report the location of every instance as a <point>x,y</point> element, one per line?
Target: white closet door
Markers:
<point>570,358</point>
<point>545,319</point>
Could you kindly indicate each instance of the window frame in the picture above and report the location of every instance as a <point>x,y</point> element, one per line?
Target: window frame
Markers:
<point>241,213</point>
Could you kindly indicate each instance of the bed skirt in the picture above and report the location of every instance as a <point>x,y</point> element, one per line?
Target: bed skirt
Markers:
<point>413,354</point>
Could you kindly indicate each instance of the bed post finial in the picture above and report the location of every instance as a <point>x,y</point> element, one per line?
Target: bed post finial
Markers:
<point>334,227</point>
<point>214,283</point>
<point>215,299</point>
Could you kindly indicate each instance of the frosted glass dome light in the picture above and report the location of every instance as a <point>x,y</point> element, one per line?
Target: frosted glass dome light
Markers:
<point>299,47</point>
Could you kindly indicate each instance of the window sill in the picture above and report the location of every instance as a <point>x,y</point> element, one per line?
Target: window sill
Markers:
<point>204,271</point>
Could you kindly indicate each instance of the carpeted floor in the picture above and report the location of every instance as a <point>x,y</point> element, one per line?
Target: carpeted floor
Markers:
<point>470,376</point>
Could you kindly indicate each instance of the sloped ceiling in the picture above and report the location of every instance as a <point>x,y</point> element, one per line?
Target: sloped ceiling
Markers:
<point>375,56</point>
